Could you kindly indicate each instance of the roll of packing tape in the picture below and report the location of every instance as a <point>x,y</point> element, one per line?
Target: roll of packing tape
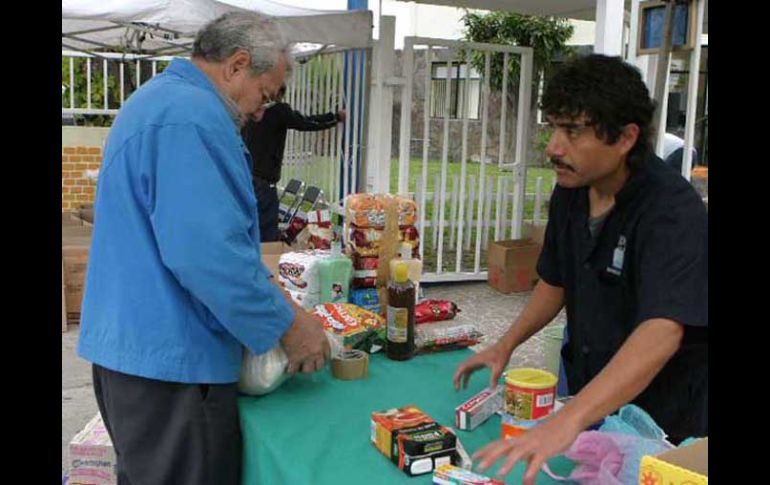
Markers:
<point>350,365</point>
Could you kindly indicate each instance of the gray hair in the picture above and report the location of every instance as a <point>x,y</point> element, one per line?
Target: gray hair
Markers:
<point>233,31</point>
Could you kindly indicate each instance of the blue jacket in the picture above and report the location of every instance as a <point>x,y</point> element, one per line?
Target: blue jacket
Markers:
<point>175,280</point>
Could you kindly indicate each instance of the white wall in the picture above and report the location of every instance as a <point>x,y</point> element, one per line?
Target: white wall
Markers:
<point>584,33</point>
<point>87,136</point>
<point>414,19</point>
<point>421,20</point>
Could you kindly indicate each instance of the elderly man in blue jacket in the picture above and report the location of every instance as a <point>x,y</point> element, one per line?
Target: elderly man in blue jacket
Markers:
<point>175,284</point>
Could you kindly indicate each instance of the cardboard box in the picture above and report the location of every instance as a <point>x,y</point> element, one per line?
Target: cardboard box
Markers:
<point>70,219</point>
<point>512,265</point>
<point>412,440</point>
<point>479,408</point>
<point>92,458</point>
<point>536,232</point>
<point>75,265</point>
<point>680,466</point>
<point>76,244</point>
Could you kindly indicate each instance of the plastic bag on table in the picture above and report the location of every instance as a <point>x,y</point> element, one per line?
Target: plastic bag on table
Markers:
<point>368,210</point>
<point>263,373</point>
<point>608,458</point>
<point>440,337</point>
<point>612,455</point>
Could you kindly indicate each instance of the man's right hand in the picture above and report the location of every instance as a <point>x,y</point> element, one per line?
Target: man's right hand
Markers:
<point>495,357</point>
<point>306,344</point>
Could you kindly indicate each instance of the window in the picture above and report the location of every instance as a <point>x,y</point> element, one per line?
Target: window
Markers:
<point>457,81</point>
<point>652,15</point>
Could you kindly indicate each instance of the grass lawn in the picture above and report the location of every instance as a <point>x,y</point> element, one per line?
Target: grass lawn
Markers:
<point>454,168</point>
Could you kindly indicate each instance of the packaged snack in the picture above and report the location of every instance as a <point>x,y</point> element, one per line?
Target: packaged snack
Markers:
<point>319,224</point>
<point>298,270</point>
<point>312,197</point>
<point>368,210</point>
<point>366,298</point>
<point>366,241</point>
<point>365,271</point>
<point>435,311</point>
<point>434,338</point>
<point>349,324</point>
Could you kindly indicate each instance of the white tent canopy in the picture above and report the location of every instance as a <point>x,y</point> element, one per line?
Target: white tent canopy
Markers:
<point>167,27</point>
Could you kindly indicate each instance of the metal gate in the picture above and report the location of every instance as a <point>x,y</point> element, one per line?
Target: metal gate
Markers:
<point>455,220</point>
<point>330,159</point>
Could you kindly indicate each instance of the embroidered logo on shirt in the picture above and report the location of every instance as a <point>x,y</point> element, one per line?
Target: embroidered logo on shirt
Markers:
<point>616,268</point>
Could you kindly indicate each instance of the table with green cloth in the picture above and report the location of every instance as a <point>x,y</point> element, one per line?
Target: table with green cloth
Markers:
<point>316,429</point>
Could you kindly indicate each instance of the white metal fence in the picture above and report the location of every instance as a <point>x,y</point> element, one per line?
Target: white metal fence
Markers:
<point>108,80</point>
<point>452,217</point>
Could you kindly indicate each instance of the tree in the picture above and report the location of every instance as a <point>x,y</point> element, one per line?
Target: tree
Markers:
<point>546,35</point>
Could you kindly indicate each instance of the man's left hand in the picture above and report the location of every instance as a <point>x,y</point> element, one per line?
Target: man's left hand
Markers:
<point>535,446</point>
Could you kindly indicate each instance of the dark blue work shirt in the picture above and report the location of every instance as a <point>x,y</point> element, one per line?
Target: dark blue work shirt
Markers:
<point>648,260</point>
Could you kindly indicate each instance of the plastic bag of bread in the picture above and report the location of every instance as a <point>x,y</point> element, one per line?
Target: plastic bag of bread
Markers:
<point>368,210</point>
<point>366,241</point>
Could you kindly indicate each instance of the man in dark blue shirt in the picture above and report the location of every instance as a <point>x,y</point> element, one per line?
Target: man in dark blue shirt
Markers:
<point>626,251</point>
<point>266,139</point>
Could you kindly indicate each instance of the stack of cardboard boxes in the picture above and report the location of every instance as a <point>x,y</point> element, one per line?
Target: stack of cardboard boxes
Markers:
<point>76,243</point>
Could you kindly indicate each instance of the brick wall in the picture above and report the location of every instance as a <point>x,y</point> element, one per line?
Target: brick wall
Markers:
<point>81,151</point>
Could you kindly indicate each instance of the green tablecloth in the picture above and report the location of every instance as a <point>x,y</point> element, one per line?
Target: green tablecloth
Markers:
<point>315,429</point>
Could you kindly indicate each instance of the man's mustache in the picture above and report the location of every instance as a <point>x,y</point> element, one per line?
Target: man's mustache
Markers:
<point>559,163</point>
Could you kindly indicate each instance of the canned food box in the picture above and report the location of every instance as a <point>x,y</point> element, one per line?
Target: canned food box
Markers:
<point>412,440</point>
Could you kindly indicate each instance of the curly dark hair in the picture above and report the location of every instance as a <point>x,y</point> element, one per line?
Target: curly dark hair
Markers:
<point>610,93</point>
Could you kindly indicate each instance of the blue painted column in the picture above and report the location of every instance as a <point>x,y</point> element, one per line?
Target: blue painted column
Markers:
<point>354,60</point>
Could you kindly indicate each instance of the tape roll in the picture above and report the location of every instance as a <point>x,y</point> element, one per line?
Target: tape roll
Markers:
<point>350,365</point>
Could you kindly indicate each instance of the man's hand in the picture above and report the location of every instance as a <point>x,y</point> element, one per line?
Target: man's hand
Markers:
<point>495,357</point>
<point>535,446</point>
<point>305,344</point>
<point>341,115</point>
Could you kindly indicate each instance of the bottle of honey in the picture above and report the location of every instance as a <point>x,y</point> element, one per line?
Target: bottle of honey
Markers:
<point>400,314</point>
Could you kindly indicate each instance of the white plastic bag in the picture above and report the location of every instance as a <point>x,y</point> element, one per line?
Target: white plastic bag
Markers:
<point>261,374</point>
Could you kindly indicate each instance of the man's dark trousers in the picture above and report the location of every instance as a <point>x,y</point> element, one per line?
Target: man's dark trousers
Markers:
<point>267,205</point>
<point>168,433</point>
